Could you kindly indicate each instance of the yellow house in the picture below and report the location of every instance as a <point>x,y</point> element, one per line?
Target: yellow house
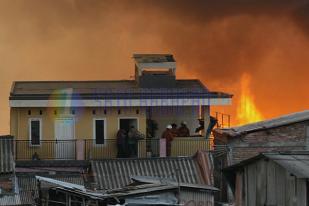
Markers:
<point>80,119</point>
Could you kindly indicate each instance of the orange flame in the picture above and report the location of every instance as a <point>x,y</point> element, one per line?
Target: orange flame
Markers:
<point>246,110</point>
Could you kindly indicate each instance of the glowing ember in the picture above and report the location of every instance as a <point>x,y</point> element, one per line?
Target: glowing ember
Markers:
<point>246,110</point>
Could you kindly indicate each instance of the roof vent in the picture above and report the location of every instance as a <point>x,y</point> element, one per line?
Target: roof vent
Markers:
<point>155,70</point>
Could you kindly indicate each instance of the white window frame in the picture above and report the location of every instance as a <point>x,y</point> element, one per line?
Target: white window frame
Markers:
<point>94,131</point>
<point>29,128</point>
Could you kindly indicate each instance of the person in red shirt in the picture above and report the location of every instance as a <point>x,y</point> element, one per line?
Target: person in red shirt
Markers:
<point>168,135</point>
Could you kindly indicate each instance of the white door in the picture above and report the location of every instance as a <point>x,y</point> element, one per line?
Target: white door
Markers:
<point>64,134</point>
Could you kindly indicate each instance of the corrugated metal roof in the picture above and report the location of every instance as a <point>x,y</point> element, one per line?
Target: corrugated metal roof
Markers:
<point>157,180</point>
<point>28,183</point>
<point>10,200</point>
<point>6,154</point>
<point>28,186</point>
<point>271,123</point>
<point>116,173</point>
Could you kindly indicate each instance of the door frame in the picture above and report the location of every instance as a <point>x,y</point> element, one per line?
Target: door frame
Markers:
<point>137,121</point>
<point>64,118</point>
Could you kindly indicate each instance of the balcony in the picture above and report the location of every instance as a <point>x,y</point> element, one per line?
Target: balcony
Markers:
<point>86,149</point>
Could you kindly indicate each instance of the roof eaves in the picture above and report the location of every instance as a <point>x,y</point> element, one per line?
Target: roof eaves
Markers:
<point>243,163</point>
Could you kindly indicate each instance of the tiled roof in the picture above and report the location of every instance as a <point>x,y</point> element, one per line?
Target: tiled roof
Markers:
<point>6,154</point>
<point>123,89</point>
<point>116,173</point>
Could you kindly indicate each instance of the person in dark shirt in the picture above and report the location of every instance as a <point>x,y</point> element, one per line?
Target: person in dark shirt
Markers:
<point>174,130</point>
<point>133,136</point>
<point>183,130</point>
<point>121,143</point>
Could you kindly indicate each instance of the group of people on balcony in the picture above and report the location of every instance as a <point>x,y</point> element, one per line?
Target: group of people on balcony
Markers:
<point>171,132</point>
<point>127,142</point>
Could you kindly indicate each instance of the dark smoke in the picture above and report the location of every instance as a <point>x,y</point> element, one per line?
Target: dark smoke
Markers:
<point>216,41</point>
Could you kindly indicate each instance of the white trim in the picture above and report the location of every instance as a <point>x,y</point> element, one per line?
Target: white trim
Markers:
<point>94,131</point>
<point>64,118</point>
<point>168,65</point>
<point>29,130</point>
<point>137,121</point>
<point>120,102</point>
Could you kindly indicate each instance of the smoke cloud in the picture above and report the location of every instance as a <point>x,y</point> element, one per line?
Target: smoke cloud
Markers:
<point>216,41</point>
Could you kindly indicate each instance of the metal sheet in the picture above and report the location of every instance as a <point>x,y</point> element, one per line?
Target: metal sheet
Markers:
<point>116,173</point>
<point>263,125</point>
<point>297,164</point>
<point>6,154</point>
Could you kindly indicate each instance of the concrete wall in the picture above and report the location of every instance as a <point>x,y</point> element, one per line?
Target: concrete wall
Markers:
<point>19,120</point>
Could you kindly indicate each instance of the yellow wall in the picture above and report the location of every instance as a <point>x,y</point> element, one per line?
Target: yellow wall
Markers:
<point>19,121</point>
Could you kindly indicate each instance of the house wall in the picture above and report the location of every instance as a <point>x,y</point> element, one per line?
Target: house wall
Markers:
<point>19,120</point>
<point>168,115</point>
<point>284,138</point>
<point>267,183</point>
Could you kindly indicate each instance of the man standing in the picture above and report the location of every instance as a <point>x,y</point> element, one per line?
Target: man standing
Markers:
<point>121,143</point>
<point>183,130</point>
<point>133,136</point>
<point>168,135</point>
<point>174,130</point>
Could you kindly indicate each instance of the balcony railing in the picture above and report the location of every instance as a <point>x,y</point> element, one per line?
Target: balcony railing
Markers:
<point>86,149</point>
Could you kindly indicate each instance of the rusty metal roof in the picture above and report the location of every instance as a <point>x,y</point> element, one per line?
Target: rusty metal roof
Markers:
<point>116,173</point>
<point>6,154</point>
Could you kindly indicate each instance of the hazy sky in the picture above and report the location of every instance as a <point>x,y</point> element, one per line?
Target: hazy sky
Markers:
<point>216,41</point>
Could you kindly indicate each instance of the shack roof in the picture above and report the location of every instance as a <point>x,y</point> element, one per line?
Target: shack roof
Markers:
<point>117,173</point>
<point>296,162</point>
<point>267,124</point>
<point>157,180</point>
<point>119,192</point>
<point>6,154</point>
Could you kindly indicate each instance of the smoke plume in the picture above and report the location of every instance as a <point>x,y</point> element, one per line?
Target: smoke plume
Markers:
<point>216,41</point>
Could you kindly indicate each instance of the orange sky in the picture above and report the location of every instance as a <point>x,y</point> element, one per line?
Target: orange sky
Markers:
<point>216,42</point>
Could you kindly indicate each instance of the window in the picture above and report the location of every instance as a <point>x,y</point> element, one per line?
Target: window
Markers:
<point>35,131</point>
<point>99,131</point>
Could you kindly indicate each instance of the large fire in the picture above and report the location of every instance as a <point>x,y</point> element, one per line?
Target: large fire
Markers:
<point>246,110</point>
